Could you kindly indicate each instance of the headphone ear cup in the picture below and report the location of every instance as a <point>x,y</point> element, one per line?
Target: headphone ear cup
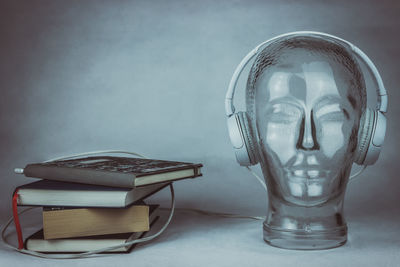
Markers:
<point>237,140</point>
<point>364,135</point>
<point>248,137</point>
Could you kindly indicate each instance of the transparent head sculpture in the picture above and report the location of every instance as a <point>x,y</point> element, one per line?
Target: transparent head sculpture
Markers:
<point>305,97</point>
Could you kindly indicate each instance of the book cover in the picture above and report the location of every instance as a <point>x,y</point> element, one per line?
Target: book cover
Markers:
<point>113,171</point>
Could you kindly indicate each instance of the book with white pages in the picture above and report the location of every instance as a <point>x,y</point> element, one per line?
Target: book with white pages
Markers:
<point>56,193</point>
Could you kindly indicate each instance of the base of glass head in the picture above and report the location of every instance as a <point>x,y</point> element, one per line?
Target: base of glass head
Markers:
<point>305,240</point>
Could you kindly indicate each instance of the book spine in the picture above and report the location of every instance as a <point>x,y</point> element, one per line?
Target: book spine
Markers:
<point>80,176</point>
<point>16,220</point>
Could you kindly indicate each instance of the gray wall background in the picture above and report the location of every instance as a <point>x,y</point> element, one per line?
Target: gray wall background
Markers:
<point>151,76</point>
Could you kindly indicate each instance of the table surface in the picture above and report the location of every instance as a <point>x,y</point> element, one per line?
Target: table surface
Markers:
<point>200,240</point>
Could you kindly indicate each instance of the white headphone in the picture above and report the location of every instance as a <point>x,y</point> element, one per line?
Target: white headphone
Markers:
<point>372,127</point>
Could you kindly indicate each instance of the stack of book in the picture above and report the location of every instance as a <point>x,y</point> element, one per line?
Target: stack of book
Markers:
<point>95,202</point>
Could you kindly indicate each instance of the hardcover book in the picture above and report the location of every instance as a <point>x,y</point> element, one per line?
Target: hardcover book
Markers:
<point>54,193</point>
<point>76,222</point>
<point>36,242</point>
<point>113,171</point>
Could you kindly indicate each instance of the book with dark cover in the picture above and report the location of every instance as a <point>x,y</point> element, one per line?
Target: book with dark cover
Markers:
<point>55,193</point>
<point>36,242</point>
<point>113,171</point>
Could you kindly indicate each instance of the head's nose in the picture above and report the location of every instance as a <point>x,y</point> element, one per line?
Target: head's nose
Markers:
<point>307,139</point>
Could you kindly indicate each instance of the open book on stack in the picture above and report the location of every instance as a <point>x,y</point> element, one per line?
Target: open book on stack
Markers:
<point>95,202</point>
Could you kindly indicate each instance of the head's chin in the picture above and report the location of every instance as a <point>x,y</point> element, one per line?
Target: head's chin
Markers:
<point>307,197</point>
<point>308,189</point>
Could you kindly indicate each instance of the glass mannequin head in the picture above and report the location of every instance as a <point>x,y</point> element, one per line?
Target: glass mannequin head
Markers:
<point>305,97</point>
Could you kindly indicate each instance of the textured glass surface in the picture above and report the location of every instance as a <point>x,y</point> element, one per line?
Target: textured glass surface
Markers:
<point>305,98</point>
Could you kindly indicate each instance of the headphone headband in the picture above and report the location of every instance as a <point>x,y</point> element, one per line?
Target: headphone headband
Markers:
<point>381,91</point>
